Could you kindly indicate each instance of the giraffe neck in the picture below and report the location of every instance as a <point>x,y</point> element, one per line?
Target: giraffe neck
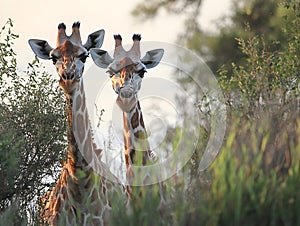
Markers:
<point>79,196</point>
<point>74,156</point>
<point>135,134</point>
<point>136,138</point>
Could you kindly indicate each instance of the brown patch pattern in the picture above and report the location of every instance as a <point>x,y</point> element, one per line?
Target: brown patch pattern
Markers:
<point>78,102</point>
<point>67,48</point>
<point>142,121</point>
<point>80,128</point>
<point>135,119</point>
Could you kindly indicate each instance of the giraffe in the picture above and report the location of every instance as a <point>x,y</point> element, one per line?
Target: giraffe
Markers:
<point>80,196</point>
<point>126,71</point>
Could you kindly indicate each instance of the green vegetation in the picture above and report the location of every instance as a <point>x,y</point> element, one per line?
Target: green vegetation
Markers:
<point>32,128</point>
<point>219,48</point>
<point>255,180</point>
<point>248,184</point>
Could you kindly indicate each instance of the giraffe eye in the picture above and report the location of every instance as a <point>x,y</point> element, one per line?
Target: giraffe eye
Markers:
<point>111,73</point>
<point>83,57</point>
<point>54,59</point>
<point>141,73</point>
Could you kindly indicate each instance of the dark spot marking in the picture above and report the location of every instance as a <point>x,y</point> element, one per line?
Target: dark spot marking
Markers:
<point>78,102</point>
<point>142,121</point>
<point>132,155</point>
<point>80,128</point>
<point>98,152</point>
<point>87,151</point>
<point>135,120</point>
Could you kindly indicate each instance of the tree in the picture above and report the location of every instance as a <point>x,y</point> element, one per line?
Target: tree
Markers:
<point>150,9</point>
<point>32,128</point>
<point>248,18</point>
<point>269,78</point>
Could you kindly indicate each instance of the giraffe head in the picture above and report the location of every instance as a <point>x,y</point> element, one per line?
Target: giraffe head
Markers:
<point>69,55</point>
<point>127,69</point>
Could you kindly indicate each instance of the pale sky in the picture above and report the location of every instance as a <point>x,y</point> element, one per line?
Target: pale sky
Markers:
<point>39,19</point>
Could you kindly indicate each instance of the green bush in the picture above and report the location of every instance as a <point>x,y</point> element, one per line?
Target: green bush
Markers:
<point>32,129</point>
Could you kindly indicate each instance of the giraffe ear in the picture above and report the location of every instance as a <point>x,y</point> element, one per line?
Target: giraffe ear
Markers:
<point>152,58</point>
<point>101,58</point>
<point>95,40</point>
<point>41,48</point>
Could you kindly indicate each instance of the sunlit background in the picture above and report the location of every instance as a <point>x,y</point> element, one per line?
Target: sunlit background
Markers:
<point>39,19</point>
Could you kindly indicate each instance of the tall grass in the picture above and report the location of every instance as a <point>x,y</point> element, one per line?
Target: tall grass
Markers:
<point>255,179</point>
<point>242,187</point>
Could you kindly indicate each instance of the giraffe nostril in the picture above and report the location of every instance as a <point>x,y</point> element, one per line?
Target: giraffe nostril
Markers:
<point>71,76</point>
<point>64,76</point>
<point>126,93</point>
<point>68,75</point>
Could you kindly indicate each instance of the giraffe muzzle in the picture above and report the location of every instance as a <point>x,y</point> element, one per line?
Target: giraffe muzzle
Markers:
<point>68,75</point>
<point>126,93</point>
<point>126,100</point>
